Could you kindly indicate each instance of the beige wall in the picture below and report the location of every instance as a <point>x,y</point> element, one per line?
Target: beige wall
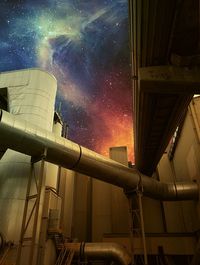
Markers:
<point>81,212</point>
<point>66,192</point>
<point>172,245</point>
<point>101,208</point>
<point>119,202</point>
<point>172,210</point>
<point>185,166</point>
<point>152,213</point>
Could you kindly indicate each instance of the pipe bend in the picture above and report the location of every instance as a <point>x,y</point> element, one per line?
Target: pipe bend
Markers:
<point>102,251</point>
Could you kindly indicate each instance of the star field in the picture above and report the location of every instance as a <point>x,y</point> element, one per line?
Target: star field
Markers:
<point>85,45</point>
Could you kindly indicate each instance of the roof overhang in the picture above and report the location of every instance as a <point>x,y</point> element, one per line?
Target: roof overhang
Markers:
<point>163,96</point>
<point>162,33</point>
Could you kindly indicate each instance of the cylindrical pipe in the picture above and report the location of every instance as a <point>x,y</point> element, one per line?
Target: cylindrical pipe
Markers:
<point>101,251</point>
<point>23,137</point>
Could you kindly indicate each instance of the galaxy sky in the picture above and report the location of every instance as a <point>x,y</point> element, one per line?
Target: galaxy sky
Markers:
<point>84,43</point>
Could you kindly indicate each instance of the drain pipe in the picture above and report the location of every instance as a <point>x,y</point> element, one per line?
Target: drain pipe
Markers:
<point>26,138</point>
<point>100,251</point>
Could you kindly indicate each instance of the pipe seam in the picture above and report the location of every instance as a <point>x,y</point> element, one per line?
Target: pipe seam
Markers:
<point>79,158</point>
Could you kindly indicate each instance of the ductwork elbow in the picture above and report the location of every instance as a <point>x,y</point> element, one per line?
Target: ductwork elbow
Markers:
<point>102,251</point>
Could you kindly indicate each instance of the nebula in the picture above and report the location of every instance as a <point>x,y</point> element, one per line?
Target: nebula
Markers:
<point>85,45</point>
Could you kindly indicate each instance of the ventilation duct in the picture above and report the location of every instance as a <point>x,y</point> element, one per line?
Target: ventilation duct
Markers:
<point>23,137</point>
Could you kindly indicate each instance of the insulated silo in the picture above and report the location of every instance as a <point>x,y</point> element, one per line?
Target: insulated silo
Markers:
<point>31,96</point>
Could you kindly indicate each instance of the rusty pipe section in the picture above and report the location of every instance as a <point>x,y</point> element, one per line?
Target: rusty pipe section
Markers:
<point>26,138</point>
<point>101,251</point>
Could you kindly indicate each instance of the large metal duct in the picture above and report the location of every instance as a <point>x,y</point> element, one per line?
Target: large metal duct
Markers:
<point>101,251</point>
<point>21,136</point>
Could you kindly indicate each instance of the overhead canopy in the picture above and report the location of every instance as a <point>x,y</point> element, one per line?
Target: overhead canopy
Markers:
<point>162,33</point>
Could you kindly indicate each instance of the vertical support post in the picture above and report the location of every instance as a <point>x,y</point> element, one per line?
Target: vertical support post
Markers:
<point>89,210</point>
<point>131,229</point>
<point>34,213</point>
<point>142,227</point>
<point>35,224</point>
<point>23,227</point>
<point>137,224</point>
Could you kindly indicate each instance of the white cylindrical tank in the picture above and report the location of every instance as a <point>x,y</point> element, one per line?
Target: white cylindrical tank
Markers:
<point>31,96</point>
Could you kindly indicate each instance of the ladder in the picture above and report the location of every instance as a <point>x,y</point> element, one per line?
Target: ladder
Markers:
<point>137,225</point>
<point>31,210</point>
<point>69,257</point>
<point>65,257</point>
<point>61,256</point>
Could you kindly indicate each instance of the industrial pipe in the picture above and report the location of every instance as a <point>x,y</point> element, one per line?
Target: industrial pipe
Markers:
<point>26,138</point>
<point>101,251</point>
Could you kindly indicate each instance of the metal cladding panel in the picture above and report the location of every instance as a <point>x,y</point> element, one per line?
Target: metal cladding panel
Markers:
<point>14,78</point>
<point>14,172</point>
<point>119,154</point>
<point>120,214</point>
<point>10,187</point>
<point>101,209</point>
<point>31,96</point>
<point>67,193</point>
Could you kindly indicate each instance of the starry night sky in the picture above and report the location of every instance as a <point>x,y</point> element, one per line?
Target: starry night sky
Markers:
<point>85,45</point>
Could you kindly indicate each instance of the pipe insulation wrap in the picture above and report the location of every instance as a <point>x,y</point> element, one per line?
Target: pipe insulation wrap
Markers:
<point>26,138</point>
